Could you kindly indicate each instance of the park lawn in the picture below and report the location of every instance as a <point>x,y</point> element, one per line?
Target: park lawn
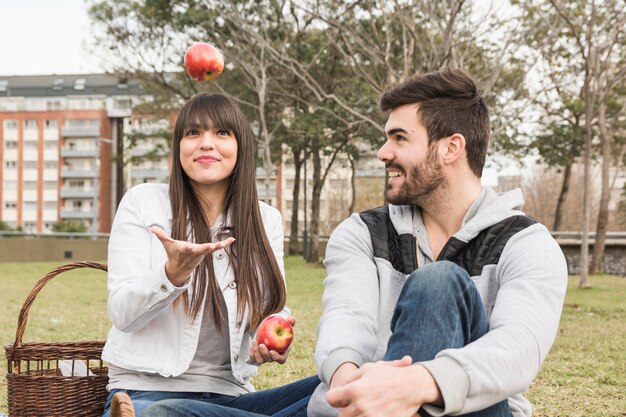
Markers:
<point>585,373</point>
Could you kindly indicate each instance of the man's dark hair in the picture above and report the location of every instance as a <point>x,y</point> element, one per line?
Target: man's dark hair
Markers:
<point>449,102</point>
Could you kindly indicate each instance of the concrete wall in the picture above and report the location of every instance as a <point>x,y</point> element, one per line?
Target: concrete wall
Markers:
<point>613,262</point>
<point>18,249</point>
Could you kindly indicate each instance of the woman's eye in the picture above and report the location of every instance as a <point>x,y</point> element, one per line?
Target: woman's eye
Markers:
<point>223,132</point>
<point>191,132</point>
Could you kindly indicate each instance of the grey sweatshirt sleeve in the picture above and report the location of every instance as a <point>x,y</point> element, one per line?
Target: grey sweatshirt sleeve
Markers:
<point>348,325</point>
<point>532,279</point>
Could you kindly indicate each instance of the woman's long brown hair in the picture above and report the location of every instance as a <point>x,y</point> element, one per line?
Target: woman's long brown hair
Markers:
<point>260,284</point>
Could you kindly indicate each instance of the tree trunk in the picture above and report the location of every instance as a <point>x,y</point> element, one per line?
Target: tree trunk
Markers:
<point>313,256</point>
<point>558,213</point>
<point>352,184</point>
<point>603,214</point>
<point>295,206</point>
<point>584,247</point>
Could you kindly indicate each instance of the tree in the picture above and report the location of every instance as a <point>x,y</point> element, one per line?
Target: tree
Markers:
<point>4,227</point>
<point>69,226</point>
<point>588,39</point>
<point>382,42</point>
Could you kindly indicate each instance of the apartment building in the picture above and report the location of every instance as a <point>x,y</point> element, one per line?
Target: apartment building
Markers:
<point>58,136</point>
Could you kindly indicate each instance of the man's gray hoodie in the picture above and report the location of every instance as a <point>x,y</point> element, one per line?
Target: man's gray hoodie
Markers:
<point>522,294</point>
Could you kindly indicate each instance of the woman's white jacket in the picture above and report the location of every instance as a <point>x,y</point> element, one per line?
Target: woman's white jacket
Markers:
<point>148,335</point>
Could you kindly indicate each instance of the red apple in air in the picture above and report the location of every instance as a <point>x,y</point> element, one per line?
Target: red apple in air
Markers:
<point>275,332</point>
<point>203,62</point>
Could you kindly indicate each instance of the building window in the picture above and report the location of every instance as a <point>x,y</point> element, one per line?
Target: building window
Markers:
<point>30,164</point>
<point>30,124</point>
<point>10,164</point>
<point>76,184</point>
<point>51,124</point>
<point>9,185</point>
<point>30,185</point>
<point>77,204</point>
<point>50,205</point>
<point>79,84</point>
<point>29,225</point>
<point>30,205</point>
<point>58,84</point>
<point>31,144</point>
<point>52,144</point>
<point>50,185</point>
<point>10,144</point>
<point>53,105</point>
<point>10,124</point>
<point>50,165</point>
<point>10,205</point>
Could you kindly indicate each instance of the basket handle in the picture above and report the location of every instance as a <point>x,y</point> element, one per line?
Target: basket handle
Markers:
<point>23,317</point>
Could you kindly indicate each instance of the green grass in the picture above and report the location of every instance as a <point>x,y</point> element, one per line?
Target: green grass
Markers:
<point>585,373</point>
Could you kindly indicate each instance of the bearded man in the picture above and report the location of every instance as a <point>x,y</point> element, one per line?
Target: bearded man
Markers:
<point>446,301</point>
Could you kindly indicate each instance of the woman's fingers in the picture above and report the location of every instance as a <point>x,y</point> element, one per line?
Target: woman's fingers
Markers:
<point>187,247</point>
<point>160,233</point>
<point>208,248</point>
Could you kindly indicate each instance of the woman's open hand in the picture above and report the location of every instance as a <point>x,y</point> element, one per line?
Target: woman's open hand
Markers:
<point>183,257</point>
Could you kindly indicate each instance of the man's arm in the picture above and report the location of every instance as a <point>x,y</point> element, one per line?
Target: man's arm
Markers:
<point>347,331</point>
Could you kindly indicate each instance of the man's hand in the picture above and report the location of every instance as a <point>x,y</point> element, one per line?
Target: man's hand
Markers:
<point>385,389</point>
<point>184,257</point>
<point>259,353</point>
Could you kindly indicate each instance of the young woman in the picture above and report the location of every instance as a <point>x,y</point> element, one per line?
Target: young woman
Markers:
<point>194,266</point>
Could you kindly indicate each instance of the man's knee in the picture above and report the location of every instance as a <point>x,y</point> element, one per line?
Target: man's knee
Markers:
<point>438,279</point>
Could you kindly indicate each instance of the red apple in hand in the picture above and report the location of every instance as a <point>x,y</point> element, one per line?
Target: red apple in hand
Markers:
<point>275,332</point>
<point>203,62</point>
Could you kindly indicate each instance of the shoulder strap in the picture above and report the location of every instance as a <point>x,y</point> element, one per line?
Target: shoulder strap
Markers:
<point>486,247</point>
<point>399,250</point>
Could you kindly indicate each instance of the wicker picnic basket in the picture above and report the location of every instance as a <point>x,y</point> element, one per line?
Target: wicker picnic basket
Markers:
<point>51,379</point>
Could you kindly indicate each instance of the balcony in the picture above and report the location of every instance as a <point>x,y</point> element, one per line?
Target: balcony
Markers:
<point>78,132</point>
<point>77,214</point>
<point>79,173</point>
<point>142,151</point>
<point>67,192</point>
<point>260,172</point>
<point>80,153</point>
<point>149,173</point>
<point>262,194</point>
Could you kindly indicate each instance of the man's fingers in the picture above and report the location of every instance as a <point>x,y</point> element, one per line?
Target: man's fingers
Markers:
<point>404,361</point>
<point>337,397</point>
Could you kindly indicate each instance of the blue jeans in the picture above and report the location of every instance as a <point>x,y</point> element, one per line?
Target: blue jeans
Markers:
<point>439,308</point>
<point>287,401</point>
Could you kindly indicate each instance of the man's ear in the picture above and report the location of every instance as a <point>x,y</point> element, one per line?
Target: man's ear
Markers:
<point>454,148</point>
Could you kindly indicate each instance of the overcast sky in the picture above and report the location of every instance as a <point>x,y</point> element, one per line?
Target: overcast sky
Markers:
<point>44,37</point>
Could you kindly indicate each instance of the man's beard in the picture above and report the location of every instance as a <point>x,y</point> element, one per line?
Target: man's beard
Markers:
<point>418,188</point>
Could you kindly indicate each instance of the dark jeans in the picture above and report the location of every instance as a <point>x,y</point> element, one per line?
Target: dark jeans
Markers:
<point>287,401</point>
<point>439,308</point>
